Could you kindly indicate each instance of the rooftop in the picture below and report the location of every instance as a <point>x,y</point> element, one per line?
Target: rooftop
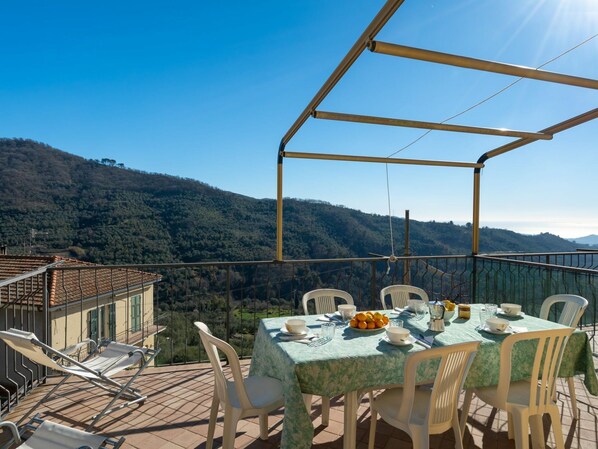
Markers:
<point>176,416</point>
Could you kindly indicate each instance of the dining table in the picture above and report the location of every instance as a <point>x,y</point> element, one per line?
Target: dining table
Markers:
<point>356,361</point>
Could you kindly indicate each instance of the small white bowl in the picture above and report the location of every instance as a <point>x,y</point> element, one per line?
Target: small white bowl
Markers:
<point>496,324</point>
<point>346,311</point>
<point>448,314</point>
<point>397,334</point>
<point>295,326</point>
<point>510,309</point>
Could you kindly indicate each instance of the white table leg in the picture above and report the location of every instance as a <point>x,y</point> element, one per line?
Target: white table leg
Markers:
<point>350,417</point>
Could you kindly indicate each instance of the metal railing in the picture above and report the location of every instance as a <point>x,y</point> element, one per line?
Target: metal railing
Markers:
<point>232,297</point>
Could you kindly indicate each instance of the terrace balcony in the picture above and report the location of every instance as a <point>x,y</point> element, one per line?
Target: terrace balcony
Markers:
<point>233,297</point>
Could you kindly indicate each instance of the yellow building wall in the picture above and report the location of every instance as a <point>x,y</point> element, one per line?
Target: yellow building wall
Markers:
<point>72,325</point>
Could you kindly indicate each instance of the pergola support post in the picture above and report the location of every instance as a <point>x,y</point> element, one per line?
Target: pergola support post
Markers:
<point>279,205</point>
<point>475,244</point>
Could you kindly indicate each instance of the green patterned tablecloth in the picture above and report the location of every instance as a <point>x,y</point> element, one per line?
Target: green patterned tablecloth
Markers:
<point>358,361</point>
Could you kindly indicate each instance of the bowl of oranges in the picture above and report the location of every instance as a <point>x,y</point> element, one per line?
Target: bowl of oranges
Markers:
<point>369,322</point>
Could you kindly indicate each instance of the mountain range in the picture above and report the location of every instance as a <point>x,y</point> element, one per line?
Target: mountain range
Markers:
<point>55,202</point>
<point>591,239</point>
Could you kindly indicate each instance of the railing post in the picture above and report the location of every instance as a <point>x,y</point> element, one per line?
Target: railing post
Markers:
<point>373,288</point>
<point>474,279</point>
<point>46,319</point>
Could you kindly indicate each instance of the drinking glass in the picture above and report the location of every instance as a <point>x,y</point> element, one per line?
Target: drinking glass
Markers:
<point>420,313</point>
<point>490,310</point>
<point>395,323</point>
<point>327,330</point>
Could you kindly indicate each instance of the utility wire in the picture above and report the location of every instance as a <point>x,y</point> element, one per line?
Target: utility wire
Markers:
<point>479,103</point>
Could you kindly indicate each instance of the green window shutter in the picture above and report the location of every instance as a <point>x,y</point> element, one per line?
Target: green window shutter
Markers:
<point>112,321</point>
<point>136,313</point>
<point>93,324</point>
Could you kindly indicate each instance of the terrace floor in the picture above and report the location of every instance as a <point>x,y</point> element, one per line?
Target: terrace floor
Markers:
<point>176,415</point>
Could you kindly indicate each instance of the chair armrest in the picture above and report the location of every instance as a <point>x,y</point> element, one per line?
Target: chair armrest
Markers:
<point>13,429</point>
<point>77,347</point>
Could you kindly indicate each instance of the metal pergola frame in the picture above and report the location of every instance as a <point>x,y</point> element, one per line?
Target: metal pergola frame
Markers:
<point>367,41</point>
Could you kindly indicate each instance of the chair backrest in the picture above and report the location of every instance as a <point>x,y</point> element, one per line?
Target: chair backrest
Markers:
<point>28,344</point>
<point>454,363</point>
<point>400,294</point>
<point>545,364</point>
<point>212,345</point>
<point>324,299</point>
<point>573,309</point>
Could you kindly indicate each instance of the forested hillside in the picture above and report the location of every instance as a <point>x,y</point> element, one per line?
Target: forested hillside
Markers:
<point>104,213</point>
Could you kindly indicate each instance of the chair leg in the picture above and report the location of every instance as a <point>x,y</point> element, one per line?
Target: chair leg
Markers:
<point>264,426</point>
<point>520,428</point>
<point>557,427</point>
<point>421,439</point>
<point>325,410</point>
<point>457,430</point>
<point>574,409</point>
<point>213,418</point>
<point>373,422</point>
<point>465,409</point>
<point>231,419</point>
<point>537,431</point>
<point>510,426</point>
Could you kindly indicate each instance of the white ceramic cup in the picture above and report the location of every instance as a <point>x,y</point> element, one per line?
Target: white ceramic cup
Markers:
<point>295,326</point>
<point>497,324</point>
<point>510,309</point>
<point>397,334</point>
<point>347,311</point>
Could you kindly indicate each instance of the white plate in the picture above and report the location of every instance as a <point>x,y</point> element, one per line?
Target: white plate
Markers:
<point>407,342</point>
<point>500,312</point>
<point>507,331</point>
<point>378,329</point>
<point>284,330</point>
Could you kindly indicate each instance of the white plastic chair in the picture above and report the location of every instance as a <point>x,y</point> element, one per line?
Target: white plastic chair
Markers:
<point>324,302</point>
<point>106,360</point>
<point>424,411</point>
<point>324,299</point>
<point>573,309</point>
<point>400,294</point>
<point>40,434</point>
<point>526,401</point>
<point>240,398</point>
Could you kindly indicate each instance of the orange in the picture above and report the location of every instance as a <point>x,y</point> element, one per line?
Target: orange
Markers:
<point>353,323</point>
<point>385,319</point>
<point>362,325</point>
<point>371,325</point>
<point>380,323</point>
<point>360,316</point>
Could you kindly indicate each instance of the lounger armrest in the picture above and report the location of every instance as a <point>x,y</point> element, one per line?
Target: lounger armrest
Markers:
<point>13,429</point>
<point>77,347</point>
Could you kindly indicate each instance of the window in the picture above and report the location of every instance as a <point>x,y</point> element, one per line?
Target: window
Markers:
<point>136,313</point>
<point>97,324</point>
<point>112,321</point>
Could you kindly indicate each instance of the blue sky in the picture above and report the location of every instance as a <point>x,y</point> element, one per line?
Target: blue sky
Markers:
<point>206,90</point>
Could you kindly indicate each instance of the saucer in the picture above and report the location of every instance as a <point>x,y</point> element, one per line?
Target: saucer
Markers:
<point>507,331</point>
<point>407,342</point>
<point>285,331</point>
